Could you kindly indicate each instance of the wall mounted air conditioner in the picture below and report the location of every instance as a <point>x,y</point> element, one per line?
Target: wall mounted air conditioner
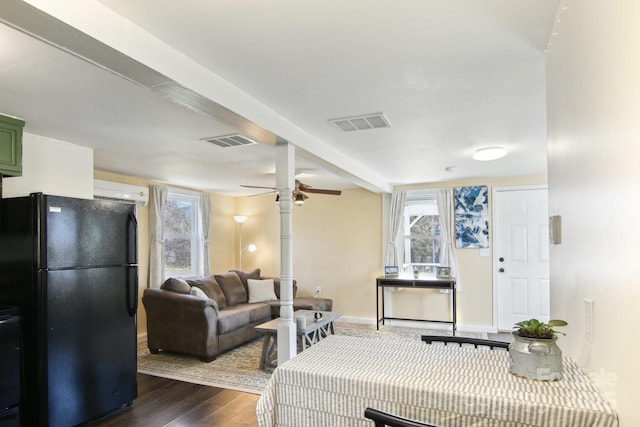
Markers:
<point>120,192</point>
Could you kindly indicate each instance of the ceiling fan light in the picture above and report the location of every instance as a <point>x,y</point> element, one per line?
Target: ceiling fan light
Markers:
<point>489,153</point>
<point>299,200</point>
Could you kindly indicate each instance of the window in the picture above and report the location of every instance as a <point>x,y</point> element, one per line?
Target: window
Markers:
<point>182,235</point>
<point>422,236</point>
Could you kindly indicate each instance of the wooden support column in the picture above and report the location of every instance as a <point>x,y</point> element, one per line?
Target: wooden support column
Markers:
<point>285,182</point>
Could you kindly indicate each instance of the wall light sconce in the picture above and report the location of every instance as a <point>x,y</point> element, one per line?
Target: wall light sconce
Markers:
<point>489,153</point>
<point>241,219</point>
<point>250,248</point>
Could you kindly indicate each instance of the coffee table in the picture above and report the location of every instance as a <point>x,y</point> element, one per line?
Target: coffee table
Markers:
<point>313,332</point>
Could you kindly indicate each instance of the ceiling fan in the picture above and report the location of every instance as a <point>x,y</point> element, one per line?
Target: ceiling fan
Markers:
<point>299,191</point>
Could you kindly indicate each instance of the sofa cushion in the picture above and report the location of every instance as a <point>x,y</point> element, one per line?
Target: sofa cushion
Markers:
<point>211,288</point>
<point>258,312</point>
<point>232,288</point>
<point>246,275</point>
<point>176,284</point>
<point>231,319</point>
<point>261,290</point>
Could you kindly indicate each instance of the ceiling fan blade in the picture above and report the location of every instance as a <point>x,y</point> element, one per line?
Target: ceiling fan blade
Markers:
<point>322,191</point>
<point>262,194</point>
<point>257,186</point>
<point>304,187</point>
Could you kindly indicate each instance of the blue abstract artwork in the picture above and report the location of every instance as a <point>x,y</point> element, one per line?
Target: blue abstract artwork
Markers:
<point>472,217</point>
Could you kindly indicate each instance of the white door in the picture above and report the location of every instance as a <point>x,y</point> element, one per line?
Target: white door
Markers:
<point>521,255</point>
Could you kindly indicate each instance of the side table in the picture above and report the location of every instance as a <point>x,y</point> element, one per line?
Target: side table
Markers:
<point>311,334</point>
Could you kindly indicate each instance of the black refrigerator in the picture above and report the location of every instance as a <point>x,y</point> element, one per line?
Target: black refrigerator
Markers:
<point>70,265</point>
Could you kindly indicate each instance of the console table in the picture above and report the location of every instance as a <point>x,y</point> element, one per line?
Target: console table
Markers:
<point>413,283</point>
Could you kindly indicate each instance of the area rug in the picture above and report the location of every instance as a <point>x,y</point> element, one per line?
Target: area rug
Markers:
<point>237,369</point>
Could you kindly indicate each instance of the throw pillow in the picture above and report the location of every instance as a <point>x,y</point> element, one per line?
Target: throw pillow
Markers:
<point>276,287</point>
<point>261,290</point>
<point>232,288</point>
<point>246,275</point>
<point>211,288</point>
<point>197,292</point>
<point>175,284</point>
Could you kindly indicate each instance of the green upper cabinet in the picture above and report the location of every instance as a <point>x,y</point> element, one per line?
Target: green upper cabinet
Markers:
<point>10,146</point>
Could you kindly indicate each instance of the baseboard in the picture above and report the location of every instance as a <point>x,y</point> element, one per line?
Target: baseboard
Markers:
<point>142,337</point>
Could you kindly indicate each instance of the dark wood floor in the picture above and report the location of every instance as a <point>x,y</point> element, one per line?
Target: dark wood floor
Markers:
<point>164,402</point>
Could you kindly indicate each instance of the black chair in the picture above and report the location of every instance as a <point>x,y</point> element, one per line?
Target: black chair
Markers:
<point>382,419</point>
<point>465,340</point>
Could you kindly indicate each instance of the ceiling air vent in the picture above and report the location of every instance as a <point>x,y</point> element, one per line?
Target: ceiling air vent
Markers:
<point>368,121</point>
<point>230,140</point>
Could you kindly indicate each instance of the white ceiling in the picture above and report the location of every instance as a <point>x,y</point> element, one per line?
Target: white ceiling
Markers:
<point>451,76</point>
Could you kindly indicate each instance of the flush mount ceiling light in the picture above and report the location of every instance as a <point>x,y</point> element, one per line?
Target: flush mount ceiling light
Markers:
<point>489,153</point>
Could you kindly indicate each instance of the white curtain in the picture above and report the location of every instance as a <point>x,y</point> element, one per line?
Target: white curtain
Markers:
<point>157,204</point>
<point>396,219</point>
<point>205,214</point>
<point>444,196</point>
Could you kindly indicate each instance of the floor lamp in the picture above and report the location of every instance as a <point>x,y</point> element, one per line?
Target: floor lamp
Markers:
<point>241,219</point>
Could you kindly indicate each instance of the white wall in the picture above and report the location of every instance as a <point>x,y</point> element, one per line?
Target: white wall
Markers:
<point>337,245</point>
<point>52,167</point>
<point>475,298</point>
<point>593,69</point>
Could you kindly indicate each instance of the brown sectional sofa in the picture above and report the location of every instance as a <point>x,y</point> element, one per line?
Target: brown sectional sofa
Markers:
<point>217,316</point>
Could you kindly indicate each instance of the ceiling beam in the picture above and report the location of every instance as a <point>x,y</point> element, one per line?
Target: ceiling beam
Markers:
<point>94,33</point>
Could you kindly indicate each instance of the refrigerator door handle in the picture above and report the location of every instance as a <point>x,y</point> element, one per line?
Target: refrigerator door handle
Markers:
<point>132,239</point>
<point>132,257</point>
<point>132,288</point>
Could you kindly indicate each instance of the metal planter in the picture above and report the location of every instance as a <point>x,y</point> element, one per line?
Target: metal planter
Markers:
<point>536,358</point>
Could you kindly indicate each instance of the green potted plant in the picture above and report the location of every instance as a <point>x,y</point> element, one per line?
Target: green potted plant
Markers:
<point>534,353</point>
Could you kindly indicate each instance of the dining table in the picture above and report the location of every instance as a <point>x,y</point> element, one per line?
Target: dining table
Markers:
<point>334,381</point>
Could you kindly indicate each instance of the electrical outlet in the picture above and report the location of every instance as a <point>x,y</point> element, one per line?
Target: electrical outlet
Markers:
<point>318,290</point>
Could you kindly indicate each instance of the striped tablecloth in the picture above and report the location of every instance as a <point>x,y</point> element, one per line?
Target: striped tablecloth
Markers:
<point>332,382</point>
